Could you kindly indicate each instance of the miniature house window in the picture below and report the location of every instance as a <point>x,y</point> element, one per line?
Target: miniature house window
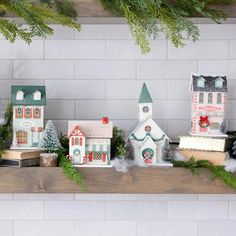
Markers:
<point>219,98</point>
<point>76,141</point>
<point>37,95</point>
<point>37,113</point>
<point>97,156</point>
<point>201,97</point>
<point>219,83</point>
<point>21,137</point>
<point>148,128</point>
<point>145,109</point>
<point>215,125</point>
<point>94,147</point>
<point>28,112</point>
<point>19,112</point>
<point>201,82</point>
<point>210,98</point>
<point>19,95</point>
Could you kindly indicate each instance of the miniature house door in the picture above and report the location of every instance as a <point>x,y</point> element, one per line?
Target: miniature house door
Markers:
<point>35,139</point>
<point>76,156</point>
<point>22,137</point>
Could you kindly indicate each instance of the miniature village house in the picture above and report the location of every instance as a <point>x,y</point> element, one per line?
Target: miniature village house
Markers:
<point>148,140</point>
<point>208,105</point>
<point>28,116</point>
<point>90,142</point>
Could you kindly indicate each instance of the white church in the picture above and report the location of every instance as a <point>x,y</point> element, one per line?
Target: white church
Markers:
<point>148,140</point>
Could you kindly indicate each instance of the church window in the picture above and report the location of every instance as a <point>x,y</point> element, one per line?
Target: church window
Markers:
<point>145,109</point>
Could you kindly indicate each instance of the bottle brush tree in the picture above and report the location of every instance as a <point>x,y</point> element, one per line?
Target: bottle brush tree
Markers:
<point>50,140</point>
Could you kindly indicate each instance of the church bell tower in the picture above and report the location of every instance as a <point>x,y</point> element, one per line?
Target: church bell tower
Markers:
<point>144,104</point>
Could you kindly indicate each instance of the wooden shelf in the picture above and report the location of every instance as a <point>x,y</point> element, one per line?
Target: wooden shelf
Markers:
<point>108,180</point>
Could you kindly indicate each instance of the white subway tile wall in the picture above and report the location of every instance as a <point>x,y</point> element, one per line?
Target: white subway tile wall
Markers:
<point>117,214</point>
<point>99,72</point>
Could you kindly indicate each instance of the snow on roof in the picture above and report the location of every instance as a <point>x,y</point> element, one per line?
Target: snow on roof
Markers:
<point>139,124</point>
<point>92,128</point>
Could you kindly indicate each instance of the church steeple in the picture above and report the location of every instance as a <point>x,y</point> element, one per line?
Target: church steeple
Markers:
<point>144,103</point>
<point>145,96</point>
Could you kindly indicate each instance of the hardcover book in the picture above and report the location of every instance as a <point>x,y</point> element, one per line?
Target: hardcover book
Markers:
<point>20,163</point>
<point>21,154</point>
<point>216,158</point>
<point>207,143</point>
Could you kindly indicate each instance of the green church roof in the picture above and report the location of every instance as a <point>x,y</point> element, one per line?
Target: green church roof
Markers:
<point>145,96</point>
<point>28,98</point>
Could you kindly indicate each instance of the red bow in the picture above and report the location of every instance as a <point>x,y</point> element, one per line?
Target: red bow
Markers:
<point>204,119</point>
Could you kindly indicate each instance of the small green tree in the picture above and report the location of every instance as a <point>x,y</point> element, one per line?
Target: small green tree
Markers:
<point>50,141</point>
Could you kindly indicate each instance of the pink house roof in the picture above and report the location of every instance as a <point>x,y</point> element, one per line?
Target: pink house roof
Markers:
<point>76,130</point>
<point>91,129</point>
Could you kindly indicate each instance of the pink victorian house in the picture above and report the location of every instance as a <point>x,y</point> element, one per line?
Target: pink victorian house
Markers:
<point>208,105</point>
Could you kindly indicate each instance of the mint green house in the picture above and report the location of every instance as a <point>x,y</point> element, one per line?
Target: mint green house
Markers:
<point>28,116</point>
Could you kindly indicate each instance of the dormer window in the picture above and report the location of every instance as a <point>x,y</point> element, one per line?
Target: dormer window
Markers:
<point>20,95</point>
<point>219,82</point>
<point>201,82</point>
<point>37,95</point>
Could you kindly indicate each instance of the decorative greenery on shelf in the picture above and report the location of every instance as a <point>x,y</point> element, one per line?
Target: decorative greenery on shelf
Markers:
<point>118,143</point>
<point>69,170</point>
<point>143,17</point>
<point>6,129</point>
<point>217,171</point>
<point>146,18</point>
<point>64,7</point>
<point>36,16</point>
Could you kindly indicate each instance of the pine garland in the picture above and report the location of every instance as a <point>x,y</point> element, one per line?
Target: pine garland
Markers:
<point>143,17</point>
<point>6,129</point>
<point>37,17</point>
<point>69,170</point>
<point>217,171</point>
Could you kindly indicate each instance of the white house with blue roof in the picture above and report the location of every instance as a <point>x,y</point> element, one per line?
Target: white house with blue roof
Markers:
<point>28,116</point>
<point>148,139</point>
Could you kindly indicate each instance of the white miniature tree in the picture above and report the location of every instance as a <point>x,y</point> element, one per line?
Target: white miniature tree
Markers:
<point>50,140</point>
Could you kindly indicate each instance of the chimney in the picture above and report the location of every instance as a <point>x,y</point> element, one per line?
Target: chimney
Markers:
<point>105,120</point>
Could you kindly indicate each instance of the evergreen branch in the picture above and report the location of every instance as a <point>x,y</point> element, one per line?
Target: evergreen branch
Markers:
<point>143,15</point>
<point>37,17</point>
<point>52,17</point>
<point>6,129</point>
<point>217,171</point>
<point>69,170</point>
<point>10,31</point>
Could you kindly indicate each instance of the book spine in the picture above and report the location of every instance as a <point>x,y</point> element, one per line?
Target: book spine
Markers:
<point>20,163</point>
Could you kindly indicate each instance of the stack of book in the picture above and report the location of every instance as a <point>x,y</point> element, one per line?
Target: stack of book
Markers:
<point>20,158</point>
<point>214,149</point>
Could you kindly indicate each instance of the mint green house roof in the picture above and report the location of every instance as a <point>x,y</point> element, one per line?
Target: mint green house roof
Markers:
<point>145,96</point>
<point>28,98</point>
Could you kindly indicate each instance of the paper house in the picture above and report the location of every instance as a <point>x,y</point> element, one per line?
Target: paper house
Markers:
<point>209,96</point>
<point>148,139</point>
<point>90,142</point>
<point>28,116</point>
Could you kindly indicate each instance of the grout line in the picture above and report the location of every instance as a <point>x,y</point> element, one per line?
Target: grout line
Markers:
<point>228,210</point>
<point>13,227</point>
<point>198,227</point>
<point>74,101</point>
